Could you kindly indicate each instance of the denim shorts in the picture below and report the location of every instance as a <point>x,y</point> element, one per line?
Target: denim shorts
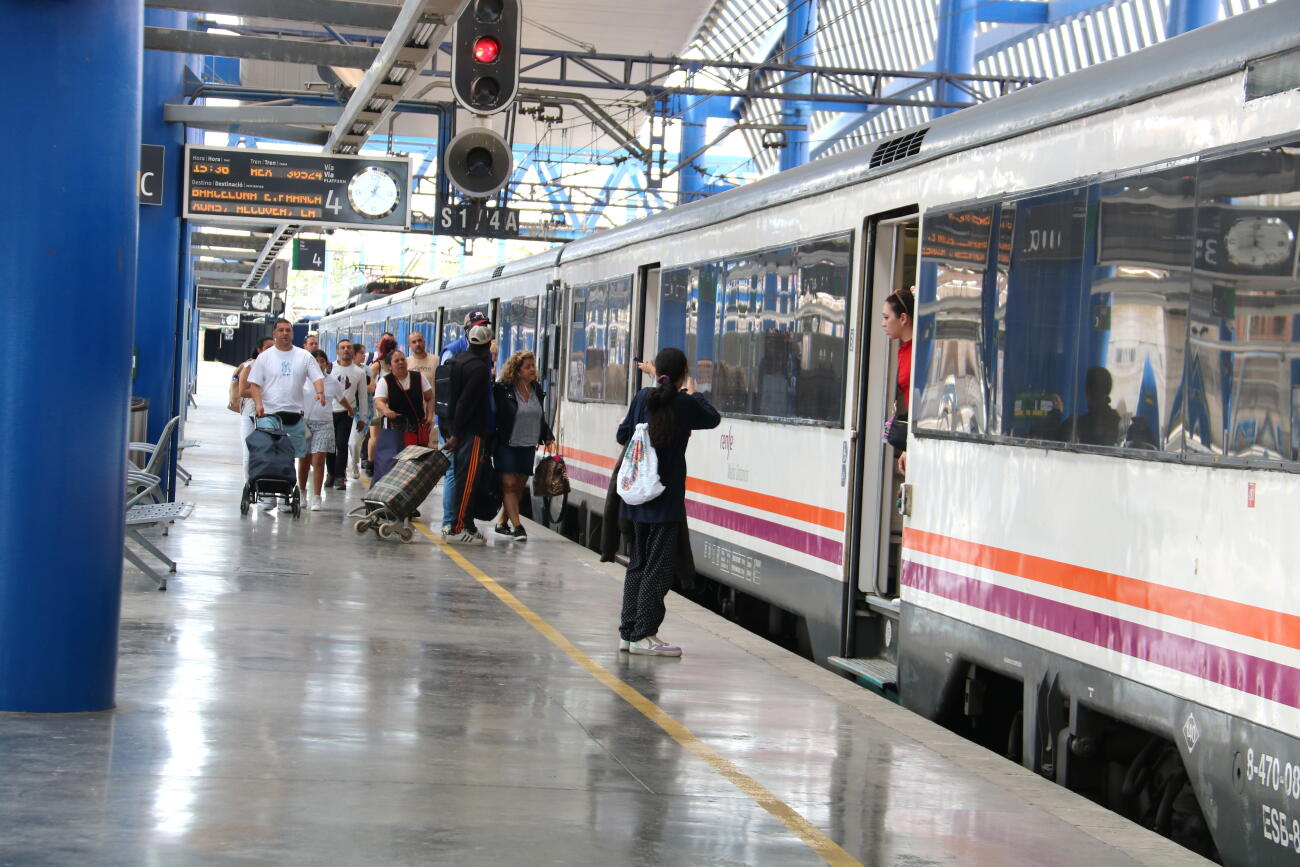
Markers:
<point>297,433</point>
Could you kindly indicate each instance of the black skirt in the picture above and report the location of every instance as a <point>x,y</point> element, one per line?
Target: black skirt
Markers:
<point>517,460</point>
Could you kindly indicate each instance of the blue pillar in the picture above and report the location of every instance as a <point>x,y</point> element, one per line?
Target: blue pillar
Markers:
<point>799,46</point>
<point>70,264</point>
<point>694,128</point>
<point>954,50</point>
<point>1185,15</point>
<point>160,310</point>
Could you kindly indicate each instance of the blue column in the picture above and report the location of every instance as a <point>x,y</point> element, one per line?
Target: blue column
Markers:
<point>954,50</point>
<point>1185,15</point>
<point>799,46</point>
<point>694,127</point>
<point>160,310</point>
<point>74,74</point>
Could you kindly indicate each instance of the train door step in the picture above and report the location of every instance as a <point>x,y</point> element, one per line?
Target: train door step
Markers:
<point>879,675</point>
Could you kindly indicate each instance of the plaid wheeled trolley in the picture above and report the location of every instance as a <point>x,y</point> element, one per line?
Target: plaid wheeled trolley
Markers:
<point>389,506</point>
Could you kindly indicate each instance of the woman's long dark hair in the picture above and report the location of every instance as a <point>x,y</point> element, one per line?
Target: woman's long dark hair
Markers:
<point>670,364</point>
<point>902,302</point>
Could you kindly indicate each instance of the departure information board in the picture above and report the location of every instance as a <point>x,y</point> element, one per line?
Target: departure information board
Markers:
<point>247,186</point>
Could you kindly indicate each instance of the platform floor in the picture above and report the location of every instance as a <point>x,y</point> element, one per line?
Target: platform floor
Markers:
<point>304,696</point>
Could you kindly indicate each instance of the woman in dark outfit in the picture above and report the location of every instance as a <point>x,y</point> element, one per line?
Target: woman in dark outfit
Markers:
<point>521,428</point>
<point>672,410</point>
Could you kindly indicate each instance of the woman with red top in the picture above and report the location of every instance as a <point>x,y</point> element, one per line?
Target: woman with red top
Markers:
<point>896,316</point>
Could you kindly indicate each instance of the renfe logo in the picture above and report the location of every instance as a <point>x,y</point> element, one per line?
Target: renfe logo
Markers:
<point>727,441</point>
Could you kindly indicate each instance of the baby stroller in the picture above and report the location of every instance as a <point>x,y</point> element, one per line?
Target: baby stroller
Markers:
<point>390,504</point>
<point>270,468</point>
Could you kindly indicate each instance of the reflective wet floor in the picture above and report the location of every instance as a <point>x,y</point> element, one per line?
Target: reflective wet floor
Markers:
<point>304,695</point>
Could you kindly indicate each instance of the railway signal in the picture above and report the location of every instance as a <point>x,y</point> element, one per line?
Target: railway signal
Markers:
<point>485,56</point>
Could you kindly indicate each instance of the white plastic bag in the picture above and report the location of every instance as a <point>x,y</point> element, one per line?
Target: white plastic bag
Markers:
<point>638,474</point>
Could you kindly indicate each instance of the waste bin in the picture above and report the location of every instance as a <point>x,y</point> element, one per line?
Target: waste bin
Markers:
<point>137,430</point>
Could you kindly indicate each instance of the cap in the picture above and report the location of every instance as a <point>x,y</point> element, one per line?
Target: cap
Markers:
<point>479,334</point>
<point>476,316</point>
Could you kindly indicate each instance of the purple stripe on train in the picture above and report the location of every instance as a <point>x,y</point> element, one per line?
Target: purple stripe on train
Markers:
<point>1231,668</point>
<point>759,528</point>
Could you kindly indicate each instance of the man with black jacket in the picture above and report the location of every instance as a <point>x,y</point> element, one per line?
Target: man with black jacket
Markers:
<point>470,426</point>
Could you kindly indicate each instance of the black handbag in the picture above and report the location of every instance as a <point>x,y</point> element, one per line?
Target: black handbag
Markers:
<point>896,431</point>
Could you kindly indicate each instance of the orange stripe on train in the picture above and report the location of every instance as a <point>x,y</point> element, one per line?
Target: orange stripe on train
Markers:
<point>1252,621</point>
<point>822,517</point>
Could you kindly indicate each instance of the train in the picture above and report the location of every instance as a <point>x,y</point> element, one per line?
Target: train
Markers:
<point>1084,567</point>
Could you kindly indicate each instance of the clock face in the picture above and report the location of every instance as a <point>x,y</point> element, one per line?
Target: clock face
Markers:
<point>373,192</point>
<point>1259,242</point>
<point>261,301</point>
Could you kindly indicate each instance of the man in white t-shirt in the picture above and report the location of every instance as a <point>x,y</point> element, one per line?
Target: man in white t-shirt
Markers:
<point>352,377</point>
<point>277,380</point>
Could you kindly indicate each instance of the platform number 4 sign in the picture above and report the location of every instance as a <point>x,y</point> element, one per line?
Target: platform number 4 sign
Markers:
<point>309,254</point>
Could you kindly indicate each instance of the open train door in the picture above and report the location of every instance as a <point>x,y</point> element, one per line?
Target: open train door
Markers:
<point>646,339</point>
<point>871,607</point>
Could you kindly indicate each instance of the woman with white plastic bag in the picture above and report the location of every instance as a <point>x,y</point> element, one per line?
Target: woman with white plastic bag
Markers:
<point>665,413</point>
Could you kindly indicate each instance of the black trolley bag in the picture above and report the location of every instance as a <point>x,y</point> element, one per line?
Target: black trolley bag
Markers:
<point>271,473</point>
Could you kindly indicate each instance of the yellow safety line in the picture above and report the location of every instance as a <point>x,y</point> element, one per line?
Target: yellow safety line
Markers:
<point>802,828</point>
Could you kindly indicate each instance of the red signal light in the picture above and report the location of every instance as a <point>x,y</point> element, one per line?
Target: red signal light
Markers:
<point>486,49</point>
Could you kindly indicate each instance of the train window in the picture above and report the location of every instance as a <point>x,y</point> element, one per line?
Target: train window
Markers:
<point>674,287</point>
<point>766,332</point>
<point>600,341</point>
<point>701,323</point>
<point>1130,378</point>
<point>819,348</point>
<point>733,361</point>
<point>517,328</point>
<point>578,345</point>
<point>776,372</point>
<point>950,365</point>
<point>618,338</point>
<point>453,323</point>
<point>597,332</point>
<point>1043,307</point>
<point>426,323</point>
<point>1242,394</point>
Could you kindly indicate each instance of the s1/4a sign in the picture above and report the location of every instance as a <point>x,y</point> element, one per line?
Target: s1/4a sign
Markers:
<point>469,220</point>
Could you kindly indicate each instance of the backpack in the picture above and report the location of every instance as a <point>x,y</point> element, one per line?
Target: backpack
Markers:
<point>638,474</point>
<point>446,388</point>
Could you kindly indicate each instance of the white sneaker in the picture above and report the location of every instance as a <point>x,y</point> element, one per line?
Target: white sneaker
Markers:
<point>624,645</point>
<point>315,504</point>
<point>355,474</point>
<point>652,646</point>
<point>467,537</point>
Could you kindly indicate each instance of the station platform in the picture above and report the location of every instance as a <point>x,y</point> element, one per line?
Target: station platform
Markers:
<point>304,695</point>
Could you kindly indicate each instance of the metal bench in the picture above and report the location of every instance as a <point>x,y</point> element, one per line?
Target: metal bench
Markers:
<point>152,515</point>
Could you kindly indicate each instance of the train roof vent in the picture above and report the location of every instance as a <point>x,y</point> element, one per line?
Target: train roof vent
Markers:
<point>898,148</point>
<point>500,269</point>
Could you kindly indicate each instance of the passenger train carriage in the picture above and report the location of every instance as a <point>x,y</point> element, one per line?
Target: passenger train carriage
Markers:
<point>1090,574</point>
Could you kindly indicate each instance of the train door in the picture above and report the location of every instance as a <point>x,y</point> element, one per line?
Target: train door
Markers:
<point>872,588</point>
<point>646,340</point>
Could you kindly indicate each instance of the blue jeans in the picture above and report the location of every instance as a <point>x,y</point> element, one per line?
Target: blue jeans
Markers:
<point>449,490</point>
